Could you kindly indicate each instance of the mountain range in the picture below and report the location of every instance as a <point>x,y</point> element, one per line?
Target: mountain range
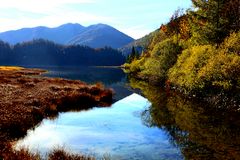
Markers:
<point>96,36</point>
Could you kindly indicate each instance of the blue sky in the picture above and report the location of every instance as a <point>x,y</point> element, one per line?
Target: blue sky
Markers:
<point>133,17</point>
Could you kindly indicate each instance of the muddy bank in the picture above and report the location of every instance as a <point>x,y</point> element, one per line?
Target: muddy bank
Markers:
<point>26,98</point>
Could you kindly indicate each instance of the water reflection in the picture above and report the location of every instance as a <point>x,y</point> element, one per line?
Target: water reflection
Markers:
<point>199,130</point>
<point>87,74</point>
<point>111,77</point>
<point>117,131</point>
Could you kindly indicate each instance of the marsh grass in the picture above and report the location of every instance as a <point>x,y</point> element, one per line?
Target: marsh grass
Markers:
<point>25,100</point>
<point>10,68</point>
<point>59,153</point>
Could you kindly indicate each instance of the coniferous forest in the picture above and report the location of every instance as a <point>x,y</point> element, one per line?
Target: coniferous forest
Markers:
<point>44,52</point>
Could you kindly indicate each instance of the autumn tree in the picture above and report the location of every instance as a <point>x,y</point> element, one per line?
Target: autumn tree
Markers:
<point>184,27</point>
<point>174,24</point>
<point>213,21</point>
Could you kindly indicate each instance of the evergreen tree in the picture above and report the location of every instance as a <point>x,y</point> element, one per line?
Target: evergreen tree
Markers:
<point>212,21</point>
<point>133,55</point>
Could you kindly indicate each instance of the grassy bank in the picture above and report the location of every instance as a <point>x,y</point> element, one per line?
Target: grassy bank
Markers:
<point>26,98</point>
<point>55,154</point>
<point>10,68</point>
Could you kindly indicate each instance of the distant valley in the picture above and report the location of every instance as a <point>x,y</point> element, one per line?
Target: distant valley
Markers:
<point>95,36</point>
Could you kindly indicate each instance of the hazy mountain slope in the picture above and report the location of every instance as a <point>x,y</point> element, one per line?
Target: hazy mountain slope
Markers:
<point>101,35</point>
<point>139,44</point>
<point>59,34</point>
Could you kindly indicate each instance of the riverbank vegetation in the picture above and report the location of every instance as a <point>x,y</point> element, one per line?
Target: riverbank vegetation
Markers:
<point>197,51</point>
<point>55,154</point>
<point>26,98</point>
<point>199,130</point>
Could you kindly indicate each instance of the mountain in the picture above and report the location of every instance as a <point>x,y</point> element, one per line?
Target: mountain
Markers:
<point>101,35</point>
<point>140,44</point>
<point>59,34</point>
<point>96,36</point>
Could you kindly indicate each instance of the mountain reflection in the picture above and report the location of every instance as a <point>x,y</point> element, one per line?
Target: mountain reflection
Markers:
<point>200,131</point>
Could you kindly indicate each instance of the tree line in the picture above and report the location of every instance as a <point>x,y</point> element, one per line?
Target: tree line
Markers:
<point>44,52</point>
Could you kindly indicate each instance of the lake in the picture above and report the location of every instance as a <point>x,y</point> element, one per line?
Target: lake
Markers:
<point>111,77</point>
<point>144,122</point>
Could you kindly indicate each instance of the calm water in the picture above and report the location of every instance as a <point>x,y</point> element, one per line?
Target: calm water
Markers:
<point>163,126</point>
<point>117,131</point>
<point>111,77</point>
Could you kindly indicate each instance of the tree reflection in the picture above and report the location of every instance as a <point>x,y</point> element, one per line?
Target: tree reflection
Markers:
<point>200,131</point>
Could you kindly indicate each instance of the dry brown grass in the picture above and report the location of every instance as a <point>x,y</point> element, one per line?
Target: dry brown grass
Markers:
<point>10,68</point>
<point>26,98</point>
<point>60,154</point>
<point>55,154</point>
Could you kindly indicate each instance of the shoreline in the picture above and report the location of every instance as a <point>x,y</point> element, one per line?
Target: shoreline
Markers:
<point>229,100</point>
<point>26,98</point>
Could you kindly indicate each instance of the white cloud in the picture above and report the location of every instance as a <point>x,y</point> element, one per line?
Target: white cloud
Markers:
<point>74,17</point>
<point>16,14</point>
<point>53,20</point>
<point>31,13</point>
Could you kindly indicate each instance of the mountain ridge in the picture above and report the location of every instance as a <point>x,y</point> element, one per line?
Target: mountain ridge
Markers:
<point>96,36</point>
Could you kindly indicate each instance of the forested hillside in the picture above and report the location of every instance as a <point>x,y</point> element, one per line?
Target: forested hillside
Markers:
<point>197,51</point>
<point>139,45</point>
<point>43,52</point>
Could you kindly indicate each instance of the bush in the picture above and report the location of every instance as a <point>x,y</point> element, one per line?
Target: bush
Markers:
<point>163,56</point>
<point>137,65</point>
<point>152,69</point>
<point>204,67</point>
<point>184,72</point>
<point>232,44</point>
<point>223,70</point>
<point>158,37</point>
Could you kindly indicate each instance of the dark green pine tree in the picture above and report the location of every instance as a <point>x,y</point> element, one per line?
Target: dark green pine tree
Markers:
<point>128,60</point>
<point>210,22</point>
<point>133,55</point>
